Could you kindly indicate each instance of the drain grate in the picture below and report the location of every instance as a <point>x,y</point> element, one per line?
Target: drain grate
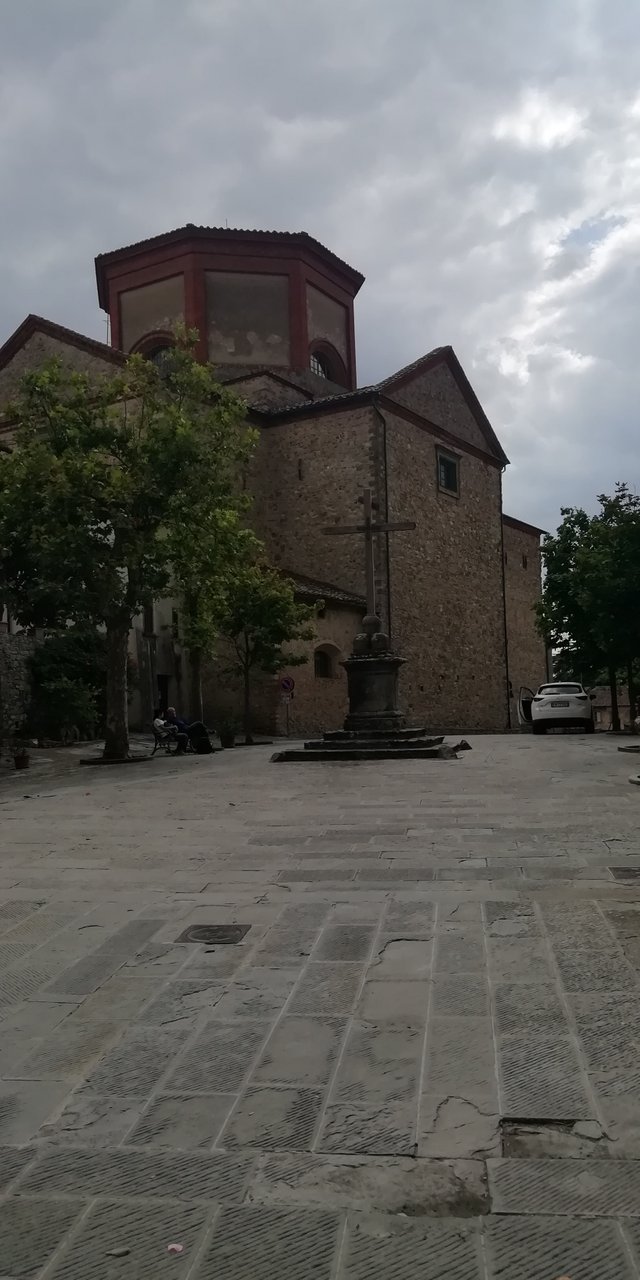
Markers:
<point>625,873</point>
<point>215,935</point>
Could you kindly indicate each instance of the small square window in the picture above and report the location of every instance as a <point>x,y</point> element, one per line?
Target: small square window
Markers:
<point>525,562</point>
<point>448,473</point>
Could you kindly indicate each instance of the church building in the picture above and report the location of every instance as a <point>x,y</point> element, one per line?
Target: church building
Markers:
<point>275,316</point>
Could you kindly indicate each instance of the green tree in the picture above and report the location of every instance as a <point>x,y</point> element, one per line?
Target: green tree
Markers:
<point>260,615</point>
<point>590,607</point>
<point>100,481</point>
<point>209,546</point>
<point>610,580</point>
<point>68,680</point>
<point>565,619</point>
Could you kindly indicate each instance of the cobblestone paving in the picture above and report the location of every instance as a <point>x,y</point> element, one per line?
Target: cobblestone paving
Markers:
<point>422,1060</point>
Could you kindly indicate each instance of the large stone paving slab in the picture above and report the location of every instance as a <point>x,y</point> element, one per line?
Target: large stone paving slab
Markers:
<point>131,1239</point>
<point>414,1251</point>
<point>432,964</point>
<point>285,1242</point>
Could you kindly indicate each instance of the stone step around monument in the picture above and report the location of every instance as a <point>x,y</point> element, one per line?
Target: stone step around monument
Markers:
<point>355,752</point>
<point>364,741</point>
<point>354,735</point>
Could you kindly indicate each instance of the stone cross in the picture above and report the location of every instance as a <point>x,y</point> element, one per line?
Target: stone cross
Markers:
<point>369,527</point>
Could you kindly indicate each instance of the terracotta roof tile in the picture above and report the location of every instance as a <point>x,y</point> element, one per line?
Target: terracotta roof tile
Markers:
<point>299,238</point>
<point>311,589</point>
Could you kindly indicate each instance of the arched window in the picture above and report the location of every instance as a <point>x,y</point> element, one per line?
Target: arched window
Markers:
<point>157,348</point>
<point>320,365</point>
<point>161,357</point>
<point>325,660</point>
<point>325,362</point>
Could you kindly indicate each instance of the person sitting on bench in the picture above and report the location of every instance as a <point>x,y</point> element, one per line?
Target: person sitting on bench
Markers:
<point>172,731</point>
<point>197,732</point>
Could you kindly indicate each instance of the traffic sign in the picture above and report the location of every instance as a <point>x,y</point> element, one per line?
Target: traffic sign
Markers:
<point>287,684</point>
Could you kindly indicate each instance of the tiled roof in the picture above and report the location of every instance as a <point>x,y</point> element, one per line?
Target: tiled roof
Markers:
<point>363,394</point>
<point>603,695</point>
<point>303,381</point>
<point>302,239</point>
<point>514,523</point>
<point>311,589</point>
<point>341,396</point>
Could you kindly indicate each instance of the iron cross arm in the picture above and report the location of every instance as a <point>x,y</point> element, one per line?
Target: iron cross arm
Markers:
<point>371,528</point>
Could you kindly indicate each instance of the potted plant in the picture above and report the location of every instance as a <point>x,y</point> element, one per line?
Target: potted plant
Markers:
<point>227,729</point>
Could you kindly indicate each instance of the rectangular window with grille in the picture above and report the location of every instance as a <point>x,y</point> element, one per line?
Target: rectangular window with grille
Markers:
<point>448,472</point>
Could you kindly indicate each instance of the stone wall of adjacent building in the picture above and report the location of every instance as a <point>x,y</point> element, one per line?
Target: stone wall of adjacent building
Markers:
<point>436,395</point>
<point>308,474</point>
<point>319,701</point>
<point>42,347</point>
<point>447,600</point>
<point>522,573</point>
<point>15,687</point>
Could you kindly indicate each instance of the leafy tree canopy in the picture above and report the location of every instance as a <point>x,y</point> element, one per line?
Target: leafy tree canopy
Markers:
<point>103,480</point>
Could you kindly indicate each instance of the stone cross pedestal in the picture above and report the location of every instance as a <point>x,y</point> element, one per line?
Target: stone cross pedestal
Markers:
<point>372,682</point>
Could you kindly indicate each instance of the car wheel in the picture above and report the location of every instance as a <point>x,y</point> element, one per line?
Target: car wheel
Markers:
<point>589,726</point>
<point>536,727</point>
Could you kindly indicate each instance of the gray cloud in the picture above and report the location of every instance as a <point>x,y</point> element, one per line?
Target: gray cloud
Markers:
<point>477,160</point>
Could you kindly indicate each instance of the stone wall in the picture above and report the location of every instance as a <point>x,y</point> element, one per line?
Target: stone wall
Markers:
<point>42,347</point>
<point>319,702</point>
<point>15,652</point>
<point>522,573</point>
<point>436,395</point>
<point>308,474</point>
<point>447,598</point>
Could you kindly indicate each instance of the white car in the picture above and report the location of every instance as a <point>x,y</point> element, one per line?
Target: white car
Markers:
<point>556,706</point>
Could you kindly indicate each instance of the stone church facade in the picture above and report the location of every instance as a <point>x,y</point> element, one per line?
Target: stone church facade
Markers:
<point>275,316</point>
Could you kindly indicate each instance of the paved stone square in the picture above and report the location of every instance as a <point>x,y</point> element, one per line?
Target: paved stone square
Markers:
<point>422,1060</point>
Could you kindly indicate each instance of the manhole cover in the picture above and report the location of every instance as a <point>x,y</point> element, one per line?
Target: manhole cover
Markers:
<point>625,873</point>
<point>215,935</point>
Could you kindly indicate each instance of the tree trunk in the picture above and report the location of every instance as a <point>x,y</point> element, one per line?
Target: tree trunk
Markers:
<point>631,687</point>
<point>247,705</point>
<point>196,709</point>
<point>613,687</point>
<point>116,744</point>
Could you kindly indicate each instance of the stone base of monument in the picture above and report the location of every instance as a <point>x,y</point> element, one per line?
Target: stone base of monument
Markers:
<point>410,744</point>
<point>374,728</point>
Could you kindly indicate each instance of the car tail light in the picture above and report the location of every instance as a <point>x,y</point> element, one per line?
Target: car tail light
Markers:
<point>580,697</point>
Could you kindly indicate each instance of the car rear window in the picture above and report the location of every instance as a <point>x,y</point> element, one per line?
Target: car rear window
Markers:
<point>560,688</point>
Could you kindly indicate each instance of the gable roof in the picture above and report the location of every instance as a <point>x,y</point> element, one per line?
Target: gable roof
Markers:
<point>364,395</point>
<point>37,324</point>
<point>446,355</point>
<point>522,525</point>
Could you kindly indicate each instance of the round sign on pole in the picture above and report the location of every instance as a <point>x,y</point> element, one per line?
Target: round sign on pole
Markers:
<point>287,684</point>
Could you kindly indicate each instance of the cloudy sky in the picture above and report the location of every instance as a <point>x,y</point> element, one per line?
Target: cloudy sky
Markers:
<point>478,160</point>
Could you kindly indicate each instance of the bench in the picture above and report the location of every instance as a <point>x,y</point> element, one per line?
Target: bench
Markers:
<point>163,740</point>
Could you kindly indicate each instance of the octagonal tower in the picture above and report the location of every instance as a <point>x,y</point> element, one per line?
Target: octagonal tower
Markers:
<point>258,299</point>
